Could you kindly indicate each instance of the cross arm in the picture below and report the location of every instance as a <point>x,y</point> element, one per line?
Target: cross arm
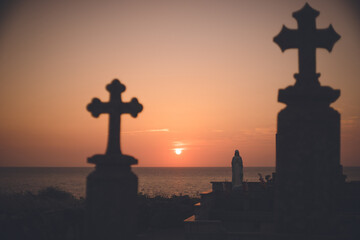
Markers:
<point>287,38</point>
<point>326,38</point>
<point>96,107</point>
<point>133,107</point>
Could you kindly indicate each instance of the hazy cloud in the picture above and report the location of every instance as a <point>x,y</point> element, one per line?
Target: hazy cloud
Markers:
<point>149,131</point>
<point>217,130</point>
<point>351,121</point>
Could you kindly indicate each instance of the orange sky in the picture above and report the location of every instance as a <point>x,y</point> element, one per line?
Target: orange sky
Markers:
<point>206,71</point>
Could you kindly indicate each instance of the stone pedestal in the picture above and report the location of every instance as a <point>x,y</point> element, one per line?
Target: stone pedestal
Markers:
<point>308,170</point>
<point>111,196</point>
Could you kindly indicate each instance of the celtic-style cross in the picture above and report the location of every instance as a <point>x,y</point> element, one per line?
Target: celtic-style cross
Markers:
<point>115,107</point>
<point>307,38</point>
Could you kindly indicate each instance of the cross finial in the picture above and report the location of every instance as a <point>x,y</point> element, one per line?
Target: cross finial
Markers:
<point>307,38</point>
<point>115,107</point>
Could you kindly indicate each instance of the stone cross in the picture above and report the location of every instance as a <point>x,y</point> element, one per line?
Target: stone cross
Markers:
<point>306,38</point>
<point>308,171</point>
<point>115,107</point>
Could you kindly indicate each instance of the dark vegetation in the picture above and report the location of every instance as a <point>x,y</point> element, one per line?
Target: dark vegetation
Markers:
<point>163,212</point>
<point>54,214</point>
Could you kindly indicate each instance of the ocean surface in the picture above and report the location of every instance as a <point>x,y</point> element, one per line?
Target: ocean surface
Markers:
<point>152,181</point>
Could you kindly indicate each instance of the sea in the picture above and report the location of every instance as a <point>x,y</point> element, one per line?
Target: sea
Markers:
<point>153,181</point>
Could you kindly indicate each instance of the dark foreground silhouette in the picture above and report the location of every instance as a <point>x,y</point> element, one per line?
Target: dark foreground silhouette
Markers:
<point>309,198</point>
<point>111,189</point>
<point>55,214</point>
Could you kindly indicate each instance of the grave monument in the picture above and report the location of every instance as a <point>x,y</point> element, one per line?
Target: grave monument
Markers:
<point>307,197</point>
<point>111,189</point>
<point>308,170</point>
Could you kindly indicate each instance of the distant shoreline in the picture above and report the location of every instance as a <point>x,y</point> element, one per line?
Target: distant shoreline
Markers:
<point>153,181</point>
<point>146,167</point>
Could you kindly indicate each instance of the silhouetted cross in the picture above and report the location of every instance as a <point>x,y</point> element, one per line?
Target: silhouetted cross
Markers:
<point>115,107</point>
<point>307,38</point>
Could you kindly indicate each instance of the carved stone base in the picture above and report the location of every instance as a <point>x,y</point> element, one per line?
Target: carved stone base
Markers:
<point>111,196</point>
<point>308,170</point>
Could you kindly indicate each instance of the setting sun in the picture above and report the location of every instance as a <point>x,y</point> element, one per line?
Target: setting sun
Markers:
<point>178,151</point>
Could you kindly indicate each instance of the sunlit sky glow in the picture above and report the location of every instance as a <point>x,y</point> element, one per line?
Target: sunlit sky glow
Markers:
<point>207,73</point>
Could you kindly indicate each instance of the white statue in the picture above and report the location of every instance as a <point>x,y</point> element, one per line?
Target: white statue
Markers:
<point>237,171</point>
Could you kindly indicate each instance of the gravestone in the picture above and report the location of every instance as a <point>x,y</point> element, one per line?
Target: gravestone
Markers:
<point>308,170</point>
<point>111,189</point>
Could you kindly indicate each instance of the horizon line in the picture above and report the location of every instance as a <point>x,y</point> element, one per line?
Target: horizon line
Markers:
<point>137,166</point>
